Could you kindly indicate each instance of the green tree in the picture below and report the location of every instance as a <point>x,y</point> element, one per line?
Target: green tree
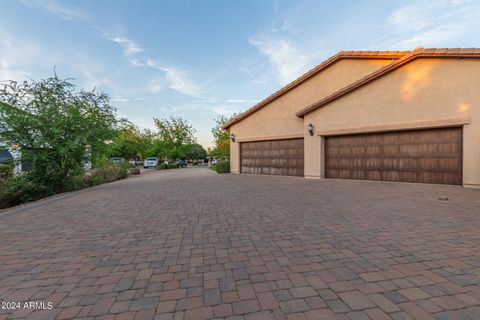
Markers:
<point>146,143</point>
<point>54,123</point>
<point>131,143</point>
<point>174,135</point>
<point>175,130</point>
<point>194,151</point>
<point>161,149</point>
<point>126,142</point>
<point>221,138</point>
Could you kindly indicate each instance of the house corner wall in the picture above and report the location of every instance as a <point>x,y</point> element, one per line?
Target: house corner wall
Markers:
<point>471,151</point>
<point>234,157</point>
<point>313,158</point>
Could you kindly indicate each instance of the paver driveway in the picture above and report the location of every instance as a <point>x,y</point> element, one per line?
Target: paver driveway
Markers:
<point>191,244</point>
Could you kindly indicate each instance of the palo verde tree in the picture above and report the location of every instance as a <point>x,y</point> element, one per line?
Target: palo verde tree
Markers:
<point>53,123</point>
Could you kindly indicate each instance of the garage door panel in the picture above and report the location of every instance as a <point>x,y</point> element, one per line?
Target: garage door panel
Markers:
<point>425,156</point>
<point>275,157</point>
<point>390,150</point>
<point>373,163</point>
<point>391,175</point>
<point>373,175</point>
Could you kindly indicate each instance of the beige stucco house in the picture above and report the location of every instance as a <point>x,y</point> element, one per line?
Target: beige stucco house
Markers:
<point>410,116</point>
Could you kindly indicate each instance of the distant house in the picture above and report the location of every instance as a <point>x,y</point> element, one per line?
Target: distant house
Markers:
<point>8,156</point>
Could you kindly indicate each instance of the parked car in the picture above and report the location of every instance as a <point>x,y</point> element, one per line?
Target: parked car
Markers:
<point>181,164</point>
<point>150,162</point>
<point>214,162</point>
<point>117,160</point>
<point>136,163</point>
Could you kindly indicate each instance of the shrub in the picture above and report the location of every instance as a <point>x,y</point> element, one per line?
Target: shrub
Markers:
<point>22,189</point>
<point>96,180</point>
<point>6,171</point>
<point>134,171</point>
<point>110,172</point>
<point>18,190</point>
<point>162,166</point>
<point>172,165</point>
<point>55,124</point>
<point>107,172</point>
<point>222,167</point>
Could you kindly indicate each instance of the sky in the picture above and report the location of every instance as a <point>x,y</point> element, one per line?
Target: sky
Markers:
<point>199,59</point>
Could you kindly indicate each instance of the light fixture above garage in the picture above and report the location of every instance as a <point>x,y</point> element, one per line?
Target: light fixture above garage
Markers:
<point>310,129</point>
<point>232,137</point>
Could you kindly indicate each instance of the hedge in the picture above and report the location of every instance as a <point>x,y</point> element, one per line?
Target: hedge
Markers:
<point>222,167</point>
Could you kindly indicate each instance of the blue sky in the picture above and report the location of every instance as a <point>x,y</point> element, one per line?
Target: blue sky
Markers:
<point>197,59</point>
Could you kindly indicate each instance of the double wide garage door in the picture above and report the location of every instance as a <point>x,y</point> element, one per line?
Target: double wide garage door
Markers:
<point>424,156</point>
<point>275,157</point>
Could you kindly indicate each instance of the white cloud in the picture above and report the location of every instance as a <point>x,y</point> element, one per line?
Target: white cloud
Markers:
<point>225,110</point>
<point>174,78</point>
<point>22,59</point>
<point>129,46</point>
<point>411,18</point>
<point>91,77</point>
<point>178,80</point>
<point>241,101</point>
<point>19,57</point>
<point>236,101</point>
<point>155,85</point>
<point>296,39</point>
<point>136,63</point>
<point>287,61</point>
<point>119,99</point>
<point>431,24</point>
<point>58,9</point>
<point>94,73</point>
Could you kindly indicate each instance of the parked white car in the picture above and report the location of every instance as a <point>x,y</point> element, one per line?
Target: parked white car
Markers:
<point>150,162</point>
<point>117,160</point>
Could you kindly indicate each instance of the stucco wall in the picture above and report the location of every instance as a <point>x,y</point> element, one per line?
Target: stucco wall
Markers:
<point>277,120</point>
<point>426,92</point>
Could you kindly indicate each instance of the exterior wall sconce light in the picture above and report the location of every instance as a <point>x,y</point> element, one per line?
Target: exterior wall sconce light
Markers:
<point>232,137</point>
<point>310,129</point>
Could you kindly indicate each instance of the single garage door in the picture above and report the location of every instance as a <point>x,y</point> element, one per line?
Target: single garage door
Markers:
<point>276,157</point>
<point>424,156</point>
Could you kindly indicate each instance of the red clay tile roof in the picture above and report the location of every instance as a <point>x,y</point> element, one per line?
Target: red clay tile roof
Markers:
<point>341,55</point>
<point>417,53</point>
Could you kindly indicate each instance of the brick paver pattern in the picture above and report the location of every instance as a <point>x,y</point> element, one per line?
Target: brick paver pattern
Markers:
<point>191,244</point>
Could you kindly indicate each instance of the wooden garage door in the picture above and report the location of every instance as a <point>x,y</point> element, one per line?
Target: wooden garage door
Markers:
<point>276,157</point>
<point>424,156</point>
